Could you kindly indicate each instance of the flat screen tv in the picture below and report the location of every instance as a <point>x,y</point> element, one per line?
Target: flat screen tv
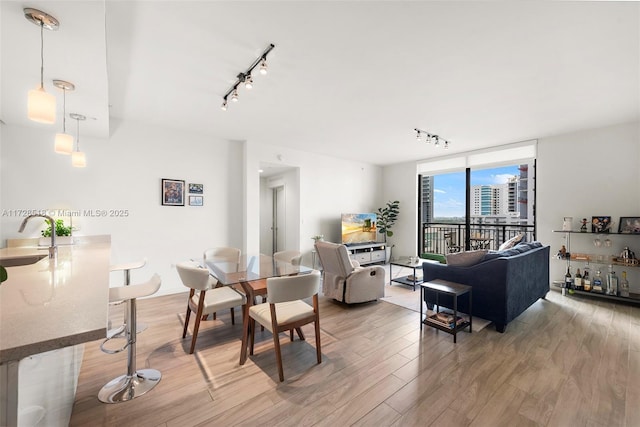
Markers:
<point>359,228</point>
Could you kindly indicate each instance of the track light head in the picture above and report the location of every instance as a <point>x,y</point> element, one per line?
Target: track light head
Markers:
<point>224,105</point>
<point>431,138</point>
<point>246,77</point>
<point>263,66</point>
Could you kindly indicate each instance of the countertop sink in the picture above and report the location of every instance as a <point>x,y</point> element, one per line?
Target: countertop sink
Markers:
<point>23,260</point>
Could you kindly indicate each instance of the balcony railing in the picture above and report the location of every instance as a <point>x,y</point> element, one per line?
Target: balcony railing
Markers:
<point>446,238</point>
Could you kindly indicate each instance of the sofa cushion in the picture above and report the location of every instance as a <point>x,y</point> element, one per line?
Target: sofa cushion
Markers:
<point>517,249</point>
<point>466,259</point>
<point>511,242</point>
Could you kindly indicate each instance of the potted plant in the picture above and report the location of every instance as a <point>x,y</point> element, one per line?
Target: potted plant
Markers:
<point>387,217</point>
<point>63,233</point>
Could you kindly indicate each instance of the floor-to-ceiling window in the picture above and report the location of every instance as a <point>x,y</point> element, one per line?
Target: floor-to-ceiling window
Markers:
<point>471,202</point>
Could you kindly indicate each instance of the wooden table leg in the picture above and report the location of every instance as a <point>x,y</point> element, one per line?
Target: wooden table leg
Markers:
<point>246,323</point>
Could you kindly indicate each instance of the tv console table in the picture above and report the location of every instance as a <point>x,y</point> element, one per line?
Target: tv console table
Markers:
<point>367,253</point>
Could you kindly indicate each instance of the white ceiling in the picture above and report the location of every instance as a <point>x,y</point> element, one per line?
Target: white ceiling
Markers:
<point>348,79</point>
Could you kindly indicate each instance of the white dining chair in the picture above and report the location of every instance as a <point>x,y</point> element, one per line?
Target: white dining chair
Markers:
<point>285,310</point>
<point>203,299</point>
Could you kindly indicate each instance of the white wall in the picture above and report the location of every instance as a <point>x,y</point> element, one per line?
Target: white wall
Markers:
<point>584,174</point>
<point>124,173</point>
<point>400,182</point>
<point>328,187</point>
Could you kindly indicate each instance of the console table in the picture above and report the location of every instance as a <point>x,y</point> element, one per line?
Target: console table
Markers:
<point>367,253</point>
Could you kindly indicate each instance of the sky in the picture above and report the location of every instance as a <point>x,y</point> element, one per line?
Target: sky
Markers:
<point>449,195</point>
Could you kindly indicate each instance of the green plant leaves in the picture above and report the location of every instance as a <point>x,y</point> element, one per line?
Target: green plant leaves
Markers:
<point>387,217</point>
<point>61,229</point>
<point>3,274</point>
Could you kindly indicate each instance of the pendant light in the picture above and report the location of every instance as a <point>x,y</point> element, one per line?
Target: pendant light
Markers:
<point>78,158</point>
<point>41,106</point>
<point>64,141</point>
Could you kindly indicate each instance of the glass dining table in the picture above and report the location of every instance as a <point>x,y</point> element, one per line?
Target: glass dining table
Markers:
<point>251,274</point>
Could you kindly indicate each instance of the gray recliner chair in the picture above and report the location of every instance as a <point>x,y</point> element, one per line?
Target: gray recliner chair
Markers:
<point>344,279</point>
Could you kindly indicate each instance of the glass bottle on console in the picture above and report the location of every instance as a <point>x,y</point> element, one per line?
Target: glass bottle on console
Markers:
<point>597,283</point>
<point>624,285</point>
<point>586,280</point>
<point>577,281</point>
<point>612,282</point>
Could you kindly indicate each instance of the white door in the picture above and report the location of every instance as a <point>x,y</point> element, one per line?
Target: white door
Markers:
<point>278,226</point>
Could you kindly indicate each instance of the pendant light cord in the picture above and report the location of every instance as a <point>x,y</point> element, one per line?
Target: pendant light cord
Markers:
<point>78,136</point>
<point>64,110</point>
<point>42,54</point>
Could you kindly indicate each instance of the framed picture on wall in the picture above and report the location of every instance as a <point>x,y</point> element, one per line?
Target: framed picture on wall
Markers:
<point>600,224</point>
<point>629,225</point>
<point>196,188</point>
<point>172,192</point>
<point>196,200</point>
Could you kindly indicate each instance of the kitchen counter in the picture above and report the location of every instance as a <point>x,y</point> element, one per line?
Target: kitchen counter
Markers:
<point>50,305</point>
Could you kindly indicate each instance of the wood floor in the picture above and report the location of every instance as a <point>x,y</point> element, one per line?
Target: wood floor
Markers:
<point>565,362</point>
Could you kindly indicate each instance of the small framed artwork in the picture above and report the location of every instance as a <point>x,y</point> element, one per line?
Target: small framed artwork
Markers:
<point>172,191</point>
<point>629,225</point>
<point>600,224</point>
<point>196,188</point>
<point>196,200</point>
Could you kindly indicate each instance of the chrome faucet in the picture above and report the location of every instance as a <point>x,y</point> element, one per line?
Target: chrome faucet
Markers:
<point>53,249</point>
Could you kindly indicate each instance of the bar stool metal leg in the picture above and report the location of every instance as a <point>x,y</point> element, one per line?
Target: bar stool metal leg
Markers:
<point>134,383</point>
<point>119,331</point>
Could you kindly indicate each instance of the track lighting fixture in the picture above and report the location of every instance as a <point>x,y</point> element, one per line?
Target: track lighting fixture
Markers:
<point>431,138</point>
<point>78,158</point>
<point>64,141</point>
<point>246,77</point>
<point>41,106</point>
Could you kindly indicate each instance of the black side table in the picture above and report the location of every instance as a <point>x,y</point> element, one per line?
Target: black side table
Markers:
<point>448,288</point>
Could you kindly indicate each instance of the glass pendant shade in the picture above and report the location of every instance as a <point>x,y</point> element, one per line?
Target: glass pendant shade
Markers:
<point>78,159</point>
<point>41,106</point>
<point>64,143</point>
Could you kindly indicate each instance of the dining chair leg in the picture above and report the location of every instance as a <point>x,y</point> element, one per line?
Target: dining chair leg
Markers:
<point>186,321</point>
<point>196,327</point>
<point>246,320</point>
<point>300,333</point>
<point>233,317</point>
<point>316,324</point>
<point>276,345</point>
<point>318,350</point>
<point>252,327</point>
<point>291,334</point>
<point>188,315</point>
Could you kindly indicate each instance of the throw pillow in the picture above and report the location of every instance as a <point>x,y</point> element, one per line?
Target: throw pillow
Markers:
<point>511,242</point>
<point>434,257</point>
<point>466,259</point>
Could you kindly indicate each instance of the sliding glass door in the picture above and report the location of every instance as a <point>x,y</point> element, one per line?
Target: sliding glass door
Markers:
<point>477,208</point>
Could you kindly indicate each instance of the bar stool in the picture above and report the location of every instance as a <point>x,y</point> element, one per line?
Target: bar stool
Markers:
<point>126,267</point>
<point>134,383</point>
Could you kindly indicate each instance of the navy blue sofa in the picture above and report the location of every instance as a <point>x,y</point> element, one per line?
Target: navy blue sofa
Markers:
<point>504,283</point>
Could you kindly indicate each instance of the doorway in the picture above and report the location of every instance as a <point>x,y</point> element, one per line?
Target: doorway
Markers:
<point>278,220</point>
